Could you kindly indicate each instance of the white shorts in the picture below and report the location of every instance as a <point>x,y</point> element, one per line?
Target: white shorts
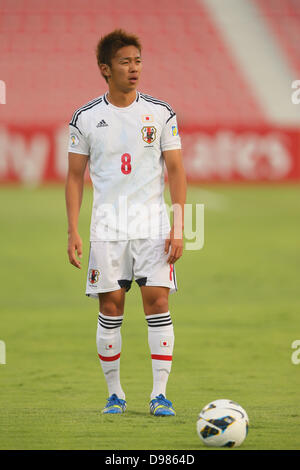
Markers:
<point>114,264</point>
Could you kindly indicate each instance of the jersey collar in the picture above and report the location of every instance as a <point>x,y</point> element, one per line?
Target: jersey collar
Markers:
<point>109,104</point>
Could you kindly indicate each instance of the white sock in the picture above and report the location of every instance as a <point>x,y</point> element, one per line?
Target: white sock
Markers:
<point>161,343</point>
<point>109,342</point>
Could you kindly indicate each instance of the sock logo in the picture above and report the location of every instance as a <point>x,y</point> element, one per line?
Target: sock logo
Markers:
<point>108,347</point>
<point>164,343</point>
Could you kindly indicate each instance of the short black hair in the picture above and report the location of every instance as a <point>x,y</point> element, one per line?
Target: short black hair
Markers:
<point>109,44</point>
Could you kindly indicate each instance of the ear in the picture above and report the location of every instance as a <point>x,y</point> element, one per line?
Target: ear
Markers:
<point>105,70</point>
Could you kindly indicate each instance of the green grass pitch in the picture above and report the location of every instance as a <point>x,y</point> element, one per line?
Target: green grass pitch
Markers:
<point>235,316</point>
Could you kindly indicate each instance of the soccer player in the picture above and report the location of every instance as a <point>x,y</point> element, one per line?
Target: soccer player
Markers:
<point>126,137</point>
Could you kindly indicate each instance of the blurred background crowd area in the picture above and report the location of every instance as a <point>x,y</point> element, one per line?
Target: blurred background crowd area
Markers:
<point>227,68</point>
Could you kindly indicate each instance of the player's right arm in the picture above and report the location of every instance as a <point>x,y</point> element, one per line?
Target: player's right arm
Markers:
<point>73,193</point>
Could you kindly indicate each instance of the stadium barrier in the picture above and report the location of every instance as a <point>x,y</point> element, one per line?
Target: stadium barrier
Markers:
<point>37,155</point>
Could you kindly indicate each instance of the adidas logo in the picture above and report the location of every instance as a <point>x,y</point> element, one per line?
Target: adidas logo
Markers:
<point>102,123</point>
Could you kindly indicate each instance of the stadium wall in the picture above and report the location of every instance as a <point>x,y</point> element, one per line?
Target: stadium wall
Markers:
<point>36,155</point>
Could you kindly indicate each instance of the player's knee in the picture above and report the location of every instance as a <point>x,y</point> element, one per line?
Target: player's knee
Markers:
<point>111,309</point>
<point>157,305</point>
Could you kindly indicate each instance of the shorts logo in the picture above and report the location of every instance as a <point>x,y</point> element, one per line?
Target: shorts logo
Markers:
<point>149,134</point>
<point>174,131</point>
<point>93,276</point>
<point>74,140</point>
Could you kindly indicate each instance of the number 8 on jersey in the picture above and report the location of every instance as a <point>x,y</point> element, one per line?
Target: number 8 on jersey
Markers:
<point>126,163</point>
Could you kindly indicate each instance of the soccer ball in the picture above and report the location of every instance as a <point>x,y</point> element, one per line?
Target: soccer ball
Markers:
<point>223,403</point>
<point>222,423</point>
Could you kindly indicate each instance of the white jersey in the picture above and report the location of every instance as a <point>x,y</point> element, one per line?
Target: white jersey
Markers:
<point>126,165</point>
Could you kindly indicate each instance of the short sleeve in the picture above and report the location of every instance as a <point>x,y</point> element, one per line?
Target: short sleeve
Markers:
<point>77,140</point>
<point>170,139</point>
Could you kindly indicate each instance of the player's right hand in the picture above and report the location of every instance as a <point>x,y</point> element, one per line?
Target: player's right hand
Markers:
<point>75,245</point>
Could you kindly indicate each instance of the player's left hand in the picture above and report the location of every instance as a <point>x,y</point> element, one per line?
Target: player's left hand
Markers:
<point>176,245</point>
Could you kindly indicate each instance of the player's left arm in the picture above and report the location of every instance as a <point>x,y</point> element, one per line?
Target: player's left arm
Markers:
<point>177,188</point>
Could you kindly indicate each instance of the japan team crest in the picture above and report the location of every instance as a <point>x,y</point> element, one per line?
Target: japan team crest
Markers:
<point>93,276</point>
<point>149,134</point>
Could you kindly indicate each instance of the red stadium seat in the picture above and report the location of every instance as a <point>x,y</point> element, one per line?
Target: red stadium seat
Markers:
<point>284,20</point>
<point>47,58</point>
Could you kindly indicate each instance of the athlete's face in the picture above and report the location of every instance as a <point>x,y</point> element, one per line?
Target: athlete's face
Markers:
<point>126,68</point>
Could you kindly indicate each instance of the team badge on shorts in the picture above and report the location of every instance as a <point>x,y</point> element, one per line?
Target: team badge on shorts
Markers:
<point>93,276</point>
<point>149,134</point>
